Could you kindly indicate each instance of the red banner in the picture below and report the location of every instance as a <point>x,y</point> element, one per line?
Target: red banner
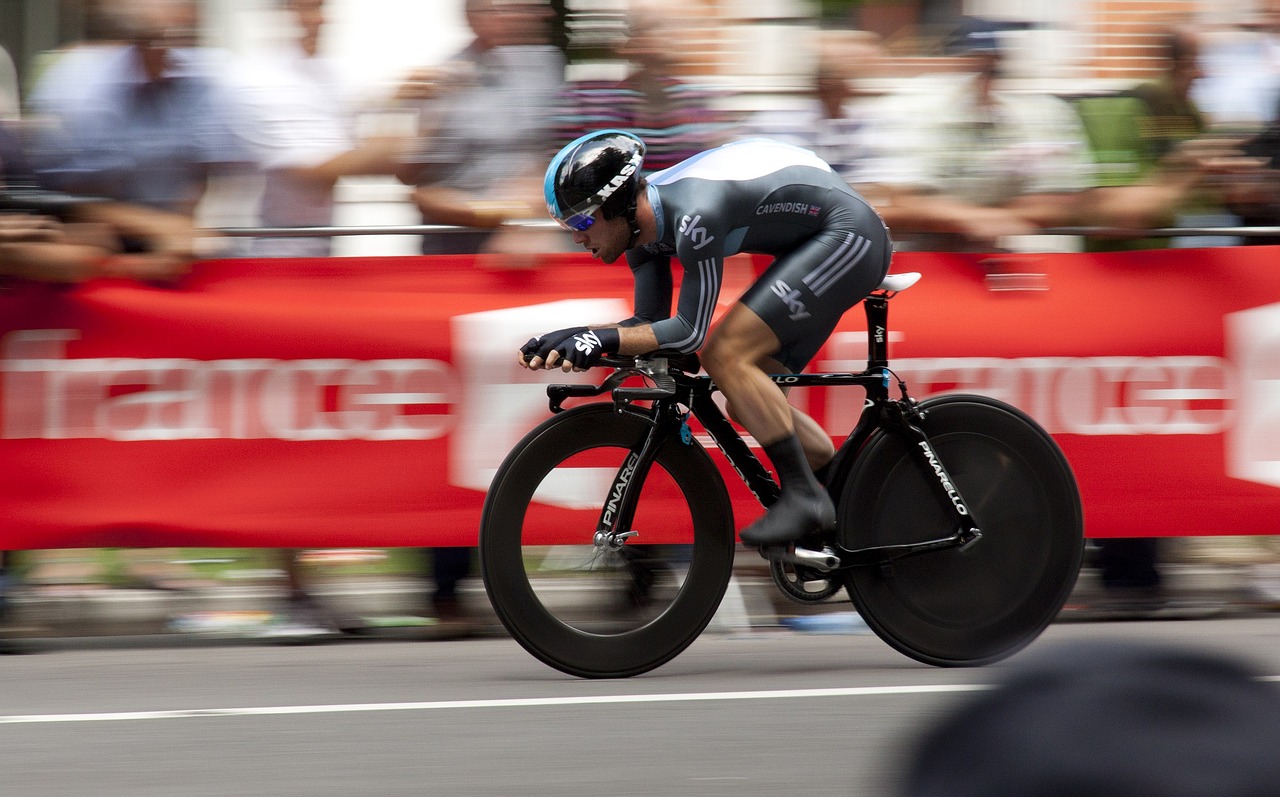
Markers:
<point>354,402</point>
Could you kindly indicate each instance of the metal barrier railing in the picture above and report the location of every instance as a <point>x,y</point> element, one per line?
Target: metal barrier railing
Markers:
<point>1165,232</point>
<point>428,229</point>
<point>334,232</point>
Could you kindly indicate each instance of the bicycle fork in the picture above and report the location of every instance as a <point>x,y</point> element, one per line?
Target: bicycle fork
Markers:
<point>613,529</point>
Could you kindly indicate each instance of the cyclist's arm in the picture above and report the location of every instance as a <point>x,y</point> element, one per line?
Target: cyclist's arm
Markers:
<point>637,340</point>
<point>653,327</point>
<point>652,275</point>
<point>686,331</point>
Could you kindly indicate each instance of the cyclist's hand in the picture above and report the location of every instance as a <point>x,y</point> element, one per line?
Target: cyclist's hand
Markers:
<point>534,353</point>
<point>528,350</point>
<point>584,349</point>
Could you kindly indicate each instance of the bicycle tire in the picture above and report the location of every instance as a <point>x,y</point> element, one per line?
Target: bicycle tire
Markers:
<point>586,618</point>
<point>983,603</point>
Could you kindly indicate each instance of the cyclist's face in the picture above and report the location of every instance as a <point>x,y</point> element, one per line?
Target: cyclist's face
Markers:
<point>606,240</point>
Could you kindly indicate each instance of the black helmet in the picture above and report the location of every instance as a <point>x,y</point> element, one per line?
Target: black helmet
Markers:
<point>599,170</point>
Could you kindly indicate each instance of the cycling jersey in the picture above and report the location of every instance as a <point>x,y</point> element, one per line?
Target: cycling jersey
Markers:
<point>765,197</point>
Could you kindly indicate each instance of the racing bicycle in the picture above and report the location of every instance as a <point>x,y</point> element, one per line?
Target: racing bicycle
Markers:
<point>607,539</point>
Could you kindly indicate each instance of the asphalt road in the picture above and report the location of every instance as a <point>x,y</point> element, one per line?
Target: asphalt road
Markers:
<point>756,714</point>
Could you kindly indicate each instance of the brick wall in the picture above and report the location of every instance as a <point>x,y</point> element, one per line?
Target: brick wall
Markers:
<point>1124,36</point>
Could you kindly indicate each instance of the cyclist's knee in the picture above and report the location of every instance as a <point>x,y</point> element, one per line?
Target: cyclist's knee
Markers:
<point>718,356</point>
<point>726,353</point>
<point>741,338</point>
<point>723,355</point>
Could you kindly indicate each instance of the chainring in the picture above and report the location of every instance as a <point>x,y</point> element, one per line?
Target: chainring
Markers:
<point>804,584</point>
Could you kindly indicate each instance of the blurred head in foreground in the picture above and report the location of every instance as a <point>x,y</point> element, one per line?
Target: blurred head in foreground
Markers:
<point>1104,719</point>
<point>978,41</point>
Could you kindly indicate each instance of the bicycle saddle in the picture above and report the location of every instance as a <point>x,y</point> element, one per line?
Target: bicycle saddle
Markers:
<point>899,282</point>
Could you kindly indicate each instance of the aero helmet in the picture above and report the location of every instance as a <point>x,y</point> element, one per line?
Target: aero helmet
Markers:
<point>600,170</point>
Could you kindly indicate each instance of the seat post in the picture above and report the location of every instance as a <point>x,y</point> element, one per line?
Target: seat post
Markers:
<point>877,308</point>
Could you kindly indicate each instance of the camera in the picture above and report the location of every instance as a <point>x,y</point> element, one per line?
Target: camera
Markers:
<point>34,200</point>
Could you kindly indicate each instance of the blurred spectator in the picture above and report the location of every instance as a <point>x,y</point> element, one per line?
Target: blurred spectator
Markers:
<point>58,238</point>
<point>1244,82</point>
<point>54,237</point>
<point>1133,135</point>
<point>1163,170</point>
<point>1107,719</point>
<point>967,164</point>
<point>303,133</point>
<point>1176,137</point>
<point>957,163</point>
<point>831,116</point>
<point>303,136</point>
<point>1241,84</point>
<point>1152,190</point>
<point>144,119</point>
<point>676,118</point>
<point>1258,200</point>
<point>973,166</point>
<point>1171,116</point>
<point>484,125</point>
<point>1155,150</point>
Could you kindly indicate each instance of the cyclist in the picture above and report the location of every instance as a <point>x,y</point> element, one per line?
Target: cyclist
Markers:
<point>830,247</point>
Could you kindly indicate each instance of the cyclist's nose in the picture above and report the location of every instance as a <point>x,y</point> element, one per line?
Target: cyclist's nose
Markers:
<point>579,237</point>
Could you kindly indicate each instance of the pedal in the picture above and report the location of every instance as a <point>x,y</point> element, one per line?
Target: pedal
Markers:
<point>823,561</point>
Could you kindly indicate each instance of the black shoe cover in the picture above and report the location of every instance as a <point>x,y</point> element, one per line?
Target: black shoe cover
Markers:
<point>792,517</point>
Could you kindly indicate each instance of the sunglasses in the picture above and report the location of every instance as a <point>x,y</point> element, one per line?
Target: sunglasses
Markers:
<point>579,218</point>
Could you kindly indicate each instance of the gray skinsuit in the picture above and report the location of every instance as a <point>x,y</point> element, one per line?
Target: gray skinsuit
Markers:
<point>831,248</point>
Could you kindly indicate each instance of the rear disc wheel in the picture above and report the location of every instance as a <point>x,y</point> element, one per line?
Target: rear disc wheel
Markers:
<point>971,606</point>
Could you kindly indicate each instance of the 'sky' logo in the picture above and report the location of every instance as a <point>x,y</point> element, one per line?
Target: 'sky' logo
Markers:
<point>791,298</point>
<point>689,226</point>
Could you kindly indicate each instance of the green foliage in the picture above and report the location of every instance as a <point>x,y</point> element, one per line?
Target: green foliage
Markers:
<point>836,10</point>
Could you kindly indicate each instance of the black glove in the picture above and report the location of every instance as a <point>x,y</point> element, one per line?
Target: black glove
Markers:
<point>585,348</point>
<point>542,345</point>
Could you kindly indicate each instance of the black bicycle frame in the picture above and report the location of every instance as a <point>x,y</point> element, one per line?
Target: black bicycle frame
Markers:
<point>666,421</point>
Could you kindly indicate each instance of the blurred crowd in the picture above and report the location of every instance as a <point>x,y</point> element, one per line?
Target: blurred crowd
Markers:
<point>125,139</point>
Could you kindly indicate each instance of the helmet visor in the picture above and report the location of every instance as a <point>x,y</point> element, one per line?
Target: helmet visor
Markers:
<point>579,217</point>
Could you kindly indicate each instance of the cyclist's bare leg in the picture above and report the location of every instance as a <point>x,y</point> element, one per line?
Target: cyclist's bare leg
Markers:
<point>733,357</point>
<point>818,448</point>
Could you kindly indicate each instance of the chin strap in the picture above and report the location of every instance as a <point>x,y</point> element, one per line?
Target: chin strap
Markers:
<point>635,225</point>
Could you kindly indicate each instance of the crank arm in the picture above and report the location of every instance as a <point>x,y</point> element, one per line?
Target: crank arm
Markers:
<point>884,554</point>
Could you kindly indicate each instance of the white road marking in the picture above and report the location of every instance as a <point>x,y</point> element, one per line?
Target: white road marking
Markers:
<point>527,702</point>
<point>530,702</point>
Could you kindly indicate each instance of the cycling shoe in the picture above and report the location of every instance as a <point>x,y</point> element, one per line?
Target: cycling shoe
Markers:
<point>791,518</point>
